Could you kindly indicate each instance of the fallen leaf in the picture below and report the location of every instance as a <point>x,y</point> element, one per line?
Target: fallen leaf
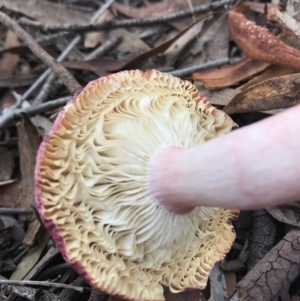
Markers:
<point>218,289</point>
<point>11,195</point>
<point>7,164</point>
<point>259,44</point>
<point>154,10</point>
<point>15,229</point>
<point>141,60</point>
<point>216,98</point>
<point>288,24</point>
<point>29,142</point>
<point>259,7</point>
<point>230,75</point>
<point>9,61</point>
<point>171,53</point>
<point>288,214</point>
<point>31,258</point>
<point>271,72</point>
<point>47,12</point>
<point>214,42</point>
<point>230,279</point>
<point>100,66</point>
<point>276,93</point>
<point>130,45</point>
<point>92,39</point>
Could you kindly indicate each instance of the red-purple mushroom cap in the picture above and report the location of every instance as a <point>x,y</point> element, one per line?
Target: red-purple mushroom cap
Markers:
<point>92,186</point>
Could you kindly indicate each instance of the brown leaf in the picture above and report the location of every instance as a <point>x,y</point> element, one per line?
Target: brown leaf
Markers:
<point>271,72</point>
<point>230,279</point>
<point>7,164</point>
<point>154,10</point>
<point>258,43</point>
<point>9,61</point>
<point>92,39</point>
<point>29,142</point>
<point>216,98</point>
<point>288,25</point>
<point>100,66</point>
<point>230,75</point>
<point>140,60</point>
<point>47,12</point>
<point>288,214</point>
<point>260,7</point>
<point>276,93</point>
<point>11,195</point>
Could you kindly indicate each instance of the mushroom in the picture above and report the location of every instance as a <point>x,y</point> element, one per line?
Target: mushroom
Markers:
<point>94,194</point>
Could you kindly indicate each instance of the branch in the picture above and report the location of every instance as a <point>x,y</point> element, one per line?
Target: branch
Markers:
<point>133,22</point>
<point>62,73</point>
<point>15,115</point>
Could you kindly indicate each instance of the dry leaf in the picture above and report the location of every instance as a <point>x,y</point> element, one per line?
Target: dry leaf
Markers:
<point>218,289</point>
<point>100,66</point>
<point>288,24</point>
<point>31,258</point>
<point>29,142</point>
<point>154,10</point>
<point>11,195</point>
<point>288,214</point>
<point>218,46</point>
<point>171,53</point>
<point>216,98</point>
<point>276,93</point>
<point>92,39</point>
<point>258,43</point>
<point>47,12</point>
<point>130,45</point>
<point>271,72</point>
<point>260,7</point>
<point>230,279</point>
<point>9,61</point>
<point>7,164</point>
<point>230,75</point>
<point>141,60</point>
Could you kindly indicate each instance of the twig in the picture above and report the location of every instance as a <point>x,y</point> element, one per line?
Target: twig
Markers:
<point>133,22</point>
<point>8,211</point>
<point>103,48</point>
<point>41,283</point>
<point>46,88</point>
<point>15,115</point>
<point>70,82</point>
<point>208,65</point>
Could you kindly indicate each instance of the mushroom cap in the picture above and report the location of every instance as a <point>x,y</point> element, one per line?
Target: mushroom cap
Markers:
<point>93,194</point>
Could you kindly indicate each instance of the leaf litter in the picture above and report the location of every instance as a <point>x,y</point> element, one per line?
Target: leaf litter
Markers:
<point>259,80</point>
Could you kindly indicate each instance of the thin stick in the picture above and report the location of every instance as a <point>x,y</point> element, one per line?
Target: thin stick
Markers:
<point>133,22</point>
<point>43,93</point>
<point>205,66</point>
<point>15,115</point>
<point>69,81</point>
<point>42,283</point>
<point>9,211</point>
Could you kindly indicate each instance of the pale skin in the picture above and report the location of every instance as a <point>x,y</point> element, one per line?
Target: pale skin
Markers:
<point>254,167</point>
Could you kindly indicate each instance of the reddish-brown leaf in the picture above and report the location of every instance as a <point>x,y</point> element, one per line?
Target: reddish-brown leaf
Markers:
<point>258,43</point>
<point>230,75</point>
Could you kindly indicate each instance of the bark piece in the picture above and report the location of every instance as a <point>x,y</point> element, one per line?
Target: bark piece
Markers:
<point>278,269</point>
